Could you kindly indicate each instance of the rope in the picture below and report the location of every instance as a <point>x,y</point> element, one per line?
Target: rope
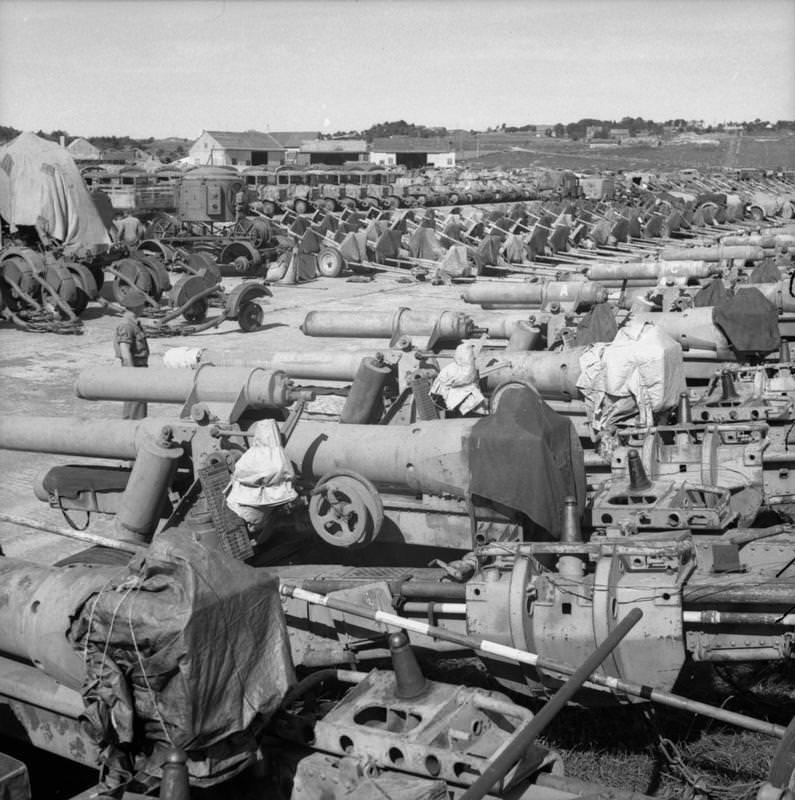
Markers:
<point>152,695</point>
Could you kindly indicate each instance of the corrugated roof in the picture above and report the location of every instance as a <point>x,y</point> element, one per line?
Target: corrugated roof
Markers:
<point>293,138</point>
<point>335,146</point>
<point>246,140</point>
<point>409,144</point>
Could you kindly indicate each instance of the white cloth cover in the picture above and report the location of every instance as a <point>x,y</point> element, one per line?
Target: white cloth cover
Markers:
<point>639,374</point>
<point>263,475</point>
<point>181,357</point>
<point>457,383</point>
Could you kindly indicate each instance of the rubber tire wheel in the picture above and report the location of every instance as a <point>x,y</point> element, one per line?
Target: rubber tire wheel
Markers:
<point>330,263</point>
<point>251,317</point>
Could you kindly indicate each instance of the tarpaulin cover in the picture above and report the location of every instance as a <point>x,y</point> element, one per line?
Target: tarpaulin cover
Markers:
<point>749,320</point>
<point>41,185</point>
<point>640,372</point>
<point>186,646</point>
<point>388,245</point>
<point>711,294</point>
<point>488,251</point>
<point>424,244</point>
<point>528,457</point>
<point>598,325</point>
<point>514,249</point>
<point>14,782</point>
<point>766,272</point>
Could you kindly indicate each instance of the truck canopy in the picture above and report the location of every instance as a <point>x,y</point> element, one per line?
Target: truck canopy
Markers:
<point>41,185</point>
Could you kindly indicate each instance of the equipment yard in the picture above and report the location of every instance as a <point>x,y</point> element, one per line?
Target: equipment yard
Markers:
<point>400,462</point>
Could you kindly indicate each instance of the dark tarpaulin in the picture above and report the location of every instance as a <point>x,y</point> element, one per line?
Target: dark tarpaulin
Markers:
<point>766,272</point>
<point>711,294</point>
<point>104,207</point>
<point>487,253</point>
<point>598,325</point>
<point>527,457</point>
<point>749,321</point>
<point>186,646</point>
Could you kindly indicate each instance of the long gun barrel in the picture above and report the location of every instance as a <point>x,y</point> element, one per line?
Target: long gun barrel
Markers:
<point>262,389</point>
<point>579,294</point>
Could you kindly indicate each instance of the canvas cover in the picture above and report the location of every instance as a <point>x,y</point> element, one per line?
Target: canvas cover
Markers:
<point>598,325</point>
<point>183,646</point>
<point>711,294</point>
<point>457,382</point>
<point>528,457</point>
<point>41,185</point>
<point>424,244</point>
<point>639,374</point>
<point>766,272</point>
<point>749,320</point>
<point>263,475</point>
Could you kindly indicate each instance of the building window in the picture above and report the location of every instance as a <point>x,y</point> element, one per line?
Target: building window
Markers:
<point>234,162</point>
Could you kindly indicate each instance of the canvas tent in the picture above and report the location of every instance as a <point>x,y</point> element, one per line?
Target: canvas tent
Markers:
<point>40,185</point>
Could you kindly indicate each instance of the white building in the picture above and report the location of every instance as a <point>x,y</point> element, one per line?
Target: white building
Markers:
<point>236,149</point>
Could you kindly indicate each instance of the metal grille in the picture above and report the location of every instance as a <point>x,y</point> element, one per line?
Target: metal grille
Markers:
<point>232,532</point>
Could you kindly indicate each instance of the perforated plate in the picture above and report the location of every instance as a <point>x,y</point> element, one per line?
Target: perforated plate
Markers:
<point>232,532</point>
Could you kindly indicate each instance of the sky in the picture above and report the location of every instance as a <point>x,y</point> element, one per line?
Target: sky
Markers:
<point>176,67</point>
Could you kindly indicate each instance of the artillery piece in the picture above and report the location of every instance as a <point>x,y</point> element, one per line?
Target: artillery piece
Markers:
<point>388,730</point>
<point>379,469</point>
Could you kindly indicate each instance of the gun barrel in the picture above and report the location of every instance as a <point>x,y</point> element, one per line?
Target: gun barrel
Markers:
<point>75,436</point>
<point>263,388</point>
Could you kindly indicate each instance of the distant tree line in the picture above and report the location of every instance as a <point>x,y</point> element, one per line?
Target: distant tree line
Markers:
<point>638,126</point>
<point>164,149</point>
<point>383,130</point>
<point>173,148</point>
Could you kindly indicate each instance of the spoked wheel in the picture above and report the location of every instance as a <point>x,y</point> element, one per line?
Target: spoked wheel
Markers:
<point>162,224</point>
<point>346,510</point>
